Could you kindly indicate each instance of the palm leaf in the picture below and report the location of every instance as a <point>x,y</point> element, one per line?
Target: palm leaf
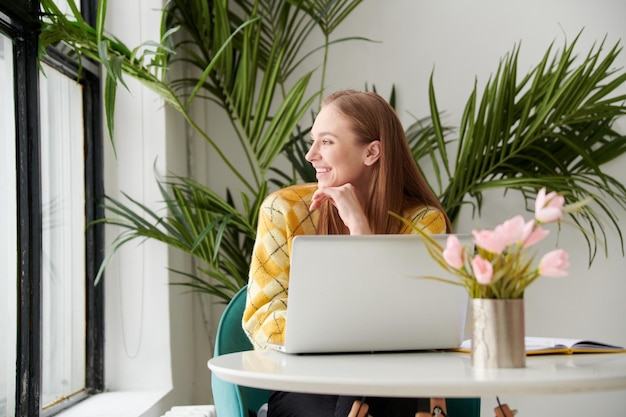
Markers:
<point>552,128</point>
<point>196,221</point>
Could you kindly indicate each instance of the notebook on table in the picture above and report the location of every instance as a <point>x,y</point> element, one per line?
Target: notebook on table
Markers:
<point>365,294</point>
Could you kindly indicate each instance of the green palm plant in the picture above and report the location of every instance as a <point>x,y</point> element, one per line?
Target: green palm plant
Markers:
<point>552,128</point>
<point>245,54</point>
<point>199,223</point>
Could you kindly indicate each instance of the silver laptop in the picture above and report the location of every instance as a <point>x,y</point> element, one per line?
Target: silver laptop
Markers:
<point>366,294</point>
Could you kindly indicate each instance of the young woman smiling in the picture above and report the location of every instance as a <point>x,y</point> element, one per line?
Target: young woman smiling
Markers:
<point>364,171</point>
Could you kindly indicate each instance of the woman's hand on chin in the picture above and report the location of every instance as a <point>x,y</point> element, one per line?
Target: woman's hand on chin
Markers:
<point>344,198</point>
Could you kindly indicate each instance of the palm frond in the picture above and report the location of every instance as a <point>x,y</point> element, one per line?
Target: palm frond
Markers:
<point>552,128</point>
<point>196,221</point>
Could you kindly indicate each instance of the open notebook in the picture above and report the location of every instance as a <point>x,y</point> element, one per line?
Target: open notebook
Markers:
<point>558,345</point>
<point>366,294</point>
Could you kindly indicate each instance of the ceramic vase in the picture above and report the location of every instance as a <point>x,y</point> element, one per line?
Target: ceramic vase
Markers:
<point>498,333</point>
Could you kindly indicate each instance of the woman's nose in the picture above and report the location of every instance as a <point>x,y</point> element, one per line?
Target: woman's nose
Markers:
<point>311,154</point>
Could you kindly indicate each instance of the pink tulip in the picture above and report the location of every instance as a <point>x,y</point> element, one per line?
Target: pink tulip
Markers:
<point>454,253</point>
<point>489,240</point>
<point>512,231</point>
<point>548,207</point>
<point>483,270</point>
<point>529,229</point>
<point>536,235</point>
<point>554,264</point>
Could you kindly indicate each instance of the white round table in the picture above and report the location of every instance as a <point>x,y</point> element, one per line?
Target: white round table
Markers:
<point>420,374</point>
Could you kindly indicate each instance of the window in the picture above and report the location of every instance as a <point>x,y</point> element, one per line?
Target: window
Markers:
<point>51,185</point>
<point>8,243</point>
<point>63,237</point>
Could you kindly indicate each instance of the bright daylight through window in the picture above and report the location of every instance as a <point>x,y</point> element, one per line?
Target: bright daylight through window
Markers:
<point>51,313</point>
<point>8,241</point>
<point>63,236</point>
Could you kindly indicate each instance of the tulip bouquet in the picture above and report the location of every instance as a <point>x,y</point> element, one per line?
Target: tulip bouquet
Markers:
<point>499,266</point>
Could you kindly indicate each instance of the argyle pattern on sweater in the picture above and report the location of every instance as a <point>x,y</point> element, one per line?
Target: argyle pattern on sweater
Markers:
<point>283,215</point>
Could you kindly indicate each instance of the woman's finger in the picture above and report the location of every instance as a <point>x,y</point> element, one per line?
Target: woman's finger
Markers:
<point>359,409</point>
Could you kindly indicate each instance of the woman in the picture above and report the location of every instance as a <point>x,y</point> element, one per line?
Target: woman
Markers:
<point>364,170</point>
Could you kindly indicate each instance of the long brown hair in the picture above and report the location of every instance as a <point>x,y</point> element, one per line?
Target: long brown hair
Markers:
<point>397,183</point>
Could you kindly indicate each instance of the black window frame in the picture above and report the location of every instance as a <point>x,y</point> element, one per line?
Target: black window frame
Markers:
<point>20,21</point>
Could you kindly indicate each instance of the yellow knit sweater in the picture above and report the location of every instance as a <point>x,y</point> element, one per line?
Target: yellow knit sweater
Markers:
<point>283,215</point>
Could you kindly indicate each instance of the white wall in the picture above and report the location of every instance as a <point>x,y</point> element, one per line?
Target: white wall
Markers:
<point>153,329</point>
<point>156,343</point>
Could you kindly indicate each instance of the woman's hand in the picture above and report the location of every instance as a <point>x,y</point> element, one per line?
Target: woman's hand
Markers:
<point>438,407</point>
<point>344,198</point>
<point>359,409</point>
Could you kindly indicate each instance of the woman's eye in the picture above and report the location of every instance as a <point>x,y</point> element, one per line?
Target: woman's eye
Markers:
<point>322,141</point>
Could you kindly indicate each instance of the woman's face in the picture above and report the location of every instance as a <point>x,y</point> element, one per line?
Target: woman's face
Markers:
<point>336,154</point>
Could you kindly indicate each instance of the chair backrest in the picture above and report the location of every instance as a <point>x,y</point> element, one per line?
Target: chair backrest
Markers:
<point>233,400</point>
<point>463,407</point>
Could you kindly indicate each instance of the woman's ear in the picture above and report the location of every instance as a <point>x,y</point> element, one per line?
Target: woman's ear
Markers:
<point>372,153</point>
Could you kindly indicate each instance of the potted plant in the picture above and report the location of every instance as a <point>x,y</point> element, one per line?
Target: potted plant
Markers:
<point>496,269</point>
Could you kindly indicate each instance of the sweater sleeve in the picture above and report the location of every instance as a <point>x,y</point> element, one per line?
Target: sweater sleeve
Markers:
<point>282,216</point>
<point>426,218</point>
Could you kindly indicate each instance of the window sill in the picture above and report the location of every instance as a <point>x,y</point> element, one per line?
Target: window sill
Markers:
<point>116,404</point>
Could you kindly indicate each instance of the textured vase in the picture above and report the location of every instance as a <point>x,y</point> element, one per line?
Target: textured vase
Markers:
<point>498,333</point>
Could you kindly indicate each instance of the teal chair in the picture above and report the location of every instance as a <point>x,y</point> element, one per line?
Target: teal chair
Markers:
<point>232,400</point>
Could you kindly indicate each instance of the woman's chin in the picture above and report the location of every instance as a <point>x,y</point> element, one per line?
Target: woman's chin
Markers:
<point>323,181</point>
